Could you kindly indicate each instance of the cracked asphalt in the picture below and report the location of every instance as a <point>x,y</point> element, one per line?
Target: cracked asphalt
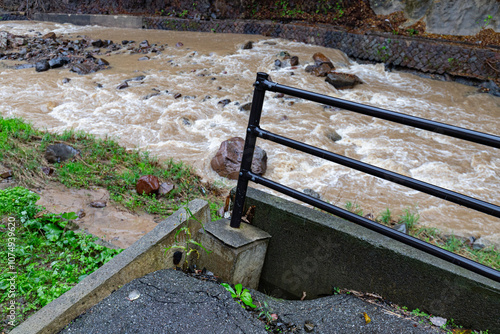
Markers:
<point>169,301</point>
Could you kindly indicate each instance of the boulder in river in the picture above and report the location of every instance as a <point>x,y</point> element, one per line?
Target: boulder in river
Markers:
<point>83,68</point>
<point>147,184</point>
<point>58,62</point>
<point>227,160</point>
<point>321,70</point>
<point>51,35</point>
<point>320,59</point>
<point>248,45</point>
<point>333,135</point>
<point>342,80</point>
<point>42,66</point>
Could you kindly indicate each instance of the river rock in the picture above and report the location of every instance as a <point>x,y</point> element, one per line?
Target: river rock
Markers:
<point>98,43</point>
<point>342,80</point>
<point>58,62</point>
<point>333,135</point>
<point>102,62</point>
<point>246,107</point>
<point>147,184</point>
<point>320,59</point>
<point>227,160</point>
<point>51,35</point>
<point>82,69</point>
<point>248,45</point>
<point>138,78</point>
<point>311,193</point>
<point>321,70</point>
<point>60,152</point>
<point>123,85</point>
<point>42,66</point>
<point>294,61</point>
<point>224,102</point>
<point>4,39</point>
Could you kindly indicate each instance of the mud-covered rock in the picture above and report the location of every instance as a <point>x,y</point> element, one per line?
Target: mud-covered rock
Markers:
<point>147,185</point>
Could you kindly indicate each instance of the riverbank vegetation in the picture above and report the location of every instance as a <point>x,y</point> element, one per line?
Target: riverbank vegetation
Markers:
<point>489,256</point>
<point>41,256</point>
<point>101,163</point>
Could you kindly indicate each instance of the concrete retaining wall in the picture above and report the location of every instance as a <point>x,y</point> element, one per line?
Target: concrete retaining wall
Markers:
<point>314,252</point>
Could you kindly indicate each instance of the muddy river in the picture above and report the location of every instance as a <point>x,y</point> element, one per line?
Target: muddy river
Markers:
<point>209,67</point>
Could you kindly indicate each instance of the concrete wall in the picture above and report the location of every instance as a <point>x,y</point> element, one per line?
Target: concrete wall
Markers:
<point>314,252</point>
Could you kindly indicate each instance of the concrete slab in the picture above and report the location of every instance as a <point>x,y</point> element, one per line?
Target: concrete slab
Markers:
<point>236,237</point>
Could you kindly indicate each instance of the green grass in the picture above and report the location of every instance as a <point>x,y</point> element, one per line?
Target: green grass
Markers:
<point>487,256</point>
<point>104,163</point>
<point>39,258</point>
<point>49,258</point>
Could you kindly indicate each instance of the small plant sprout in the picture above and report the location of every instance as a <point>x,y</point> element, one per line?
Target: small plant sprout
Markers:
<point>385,216</point>
<point>241,295</point>
<point>409,218</point>
<point>354,208</point>
<point>188,241</point>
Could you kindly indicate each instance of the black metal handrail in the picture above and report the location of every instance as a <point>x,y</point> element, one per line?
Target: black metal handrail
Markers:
<point>254,131</point>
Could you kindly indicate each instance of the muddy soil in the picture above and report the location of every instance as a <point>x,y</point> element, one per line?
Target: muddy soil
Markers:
<point>111,223</point>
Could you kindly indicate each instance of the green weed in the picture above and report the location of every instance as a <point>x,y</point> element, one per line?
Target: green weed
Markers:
<point>40,254</point>
<point>354,208</point>
<point>409,218</point>
<point>241,295</point>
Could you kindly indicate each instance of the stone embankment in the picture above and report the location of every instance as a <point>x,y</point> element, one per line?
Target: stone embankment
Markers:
<point>439,59</point>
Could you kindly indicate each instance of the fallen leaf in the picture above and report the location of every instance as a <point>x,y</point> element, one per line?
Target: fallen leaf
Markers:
<point>367,318</point>
<point>303,295</point>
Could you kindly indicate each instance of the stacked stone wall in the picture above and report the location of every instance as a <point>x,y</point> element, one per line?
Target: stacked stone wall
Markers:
<point>427,56</point>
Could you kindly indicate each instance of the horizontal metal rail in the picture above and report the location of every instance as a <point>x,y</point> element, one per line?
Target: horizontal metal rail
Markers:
<point>385,174</point>
<point>382,229</point>
<point>416,122</point>
<point>254,131</point>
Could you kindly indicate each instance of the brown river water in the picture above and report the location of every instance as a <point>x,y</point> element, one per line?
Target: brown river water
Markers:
<point>191,128</point>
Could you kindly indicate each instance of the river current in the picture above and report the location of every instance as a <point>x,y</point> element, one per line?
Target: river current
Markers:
<point>209,67</point>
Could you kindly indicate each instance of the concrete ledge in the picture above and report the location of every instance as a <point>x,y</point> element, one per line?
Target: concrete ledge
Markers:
<point>313,251</point>
<point>143,257</point>
<point>119,21</point>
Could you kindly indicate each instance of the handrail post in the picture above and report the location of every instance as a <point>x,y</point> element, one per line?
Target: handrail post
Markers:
<point>249,148</point>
